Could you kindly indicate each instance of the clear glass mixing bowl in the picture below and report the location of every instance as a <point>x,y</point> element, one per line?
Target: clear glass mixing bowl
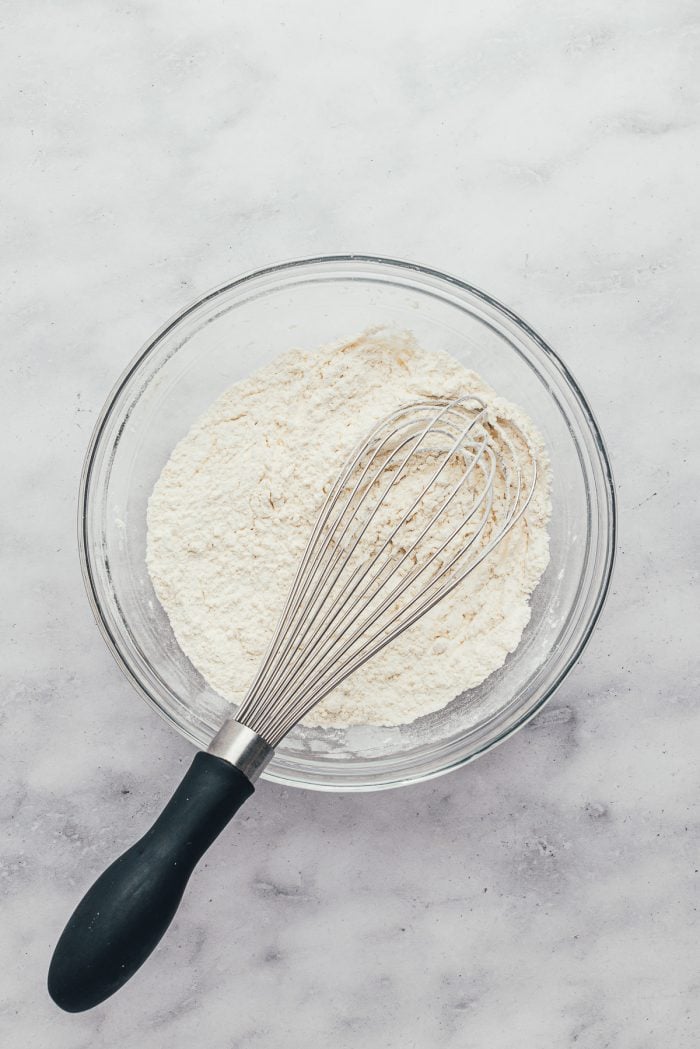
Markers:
<point>245,324</point>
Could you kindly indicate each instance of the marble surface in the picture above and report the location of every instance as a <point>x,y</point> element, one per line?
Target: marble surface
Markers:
<point>547,895</point>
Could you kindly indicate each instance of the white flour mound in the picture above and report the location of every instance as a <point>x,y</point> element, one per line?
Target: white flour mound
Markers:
<point>232,511</point>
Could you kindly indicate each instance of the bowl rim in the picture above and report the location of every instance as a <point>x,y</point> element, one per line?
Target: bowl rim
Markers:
<point>610,546</point>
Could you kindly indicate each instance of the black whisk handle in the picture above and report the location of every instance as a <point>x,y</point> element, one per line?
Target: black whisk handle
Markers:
<point>123,916</point>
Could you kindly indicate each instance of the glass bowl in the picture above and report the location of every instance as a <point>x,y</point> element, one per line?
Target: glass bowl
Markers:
<point>246,323</point>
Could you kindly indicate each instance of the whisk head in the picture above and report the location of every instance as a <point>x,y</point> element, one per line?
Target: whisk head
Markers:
<point>417,507</point>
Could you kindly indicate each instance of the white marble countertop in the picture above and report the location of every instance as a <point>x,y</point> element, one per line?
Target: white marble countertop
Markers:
<point>547,895</point>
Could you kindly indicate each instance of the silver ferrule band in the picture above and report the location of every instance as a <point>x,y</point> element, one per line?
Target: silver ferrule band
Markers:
<point>242,747</point>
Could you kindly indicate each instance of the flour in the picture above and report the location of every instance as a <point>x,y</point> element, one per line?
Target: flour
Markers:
<point>232,511</point>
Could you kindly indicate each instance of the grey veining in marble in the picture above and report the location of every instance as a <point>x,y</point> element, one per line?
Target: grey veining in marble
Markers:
<point>547,895</point>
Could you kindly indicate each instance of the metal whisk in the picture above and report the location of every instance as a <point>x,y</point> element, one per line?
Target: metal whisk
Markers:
<point>353,592</point>
<point>417,507</point>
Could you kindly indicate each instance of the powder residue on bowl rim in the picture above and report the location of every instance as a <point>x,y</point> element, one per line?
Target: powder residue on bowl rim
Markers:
<point>232,511</point>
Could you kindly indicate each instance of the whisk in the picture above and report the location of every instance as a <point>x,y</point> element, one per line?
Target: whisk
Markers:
<point>416,508</point>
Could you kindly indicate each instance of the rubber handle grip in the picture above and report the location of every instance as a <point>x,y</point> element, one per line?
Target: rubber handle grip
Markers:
<point>123,916</point>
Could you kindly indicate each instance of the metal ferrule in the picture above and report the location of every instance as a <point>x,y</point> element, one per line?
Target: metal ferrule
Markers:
<point>242,747</point>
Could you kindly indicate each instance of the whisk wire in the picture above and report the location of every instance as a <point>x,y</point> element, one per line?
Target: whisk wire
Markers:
<point>324,686</point>
<point>310,564</point>
<point>336,640</point>
<point>352,594</point>
<point>343,598</point>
